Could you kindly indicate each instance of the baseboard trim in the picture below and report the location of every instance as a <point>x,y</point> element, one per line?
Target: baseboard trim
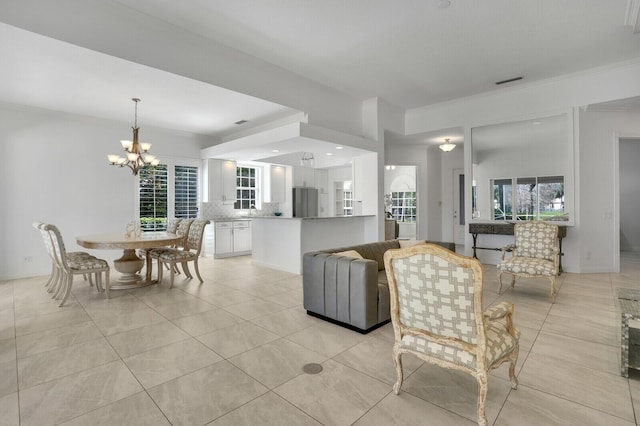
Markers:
<point>349,326</point>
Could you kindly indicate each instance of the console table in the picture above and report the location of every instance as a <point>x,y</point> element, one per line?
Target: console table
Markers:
<point>506,228</point>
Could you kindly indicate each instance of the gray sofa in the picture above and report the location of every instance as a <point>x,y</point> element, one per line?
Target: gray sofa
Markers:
<point>349,291</point>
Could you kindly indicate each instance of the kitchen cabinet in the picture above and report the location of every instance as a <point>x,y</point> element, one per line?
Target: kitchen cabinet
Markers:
<point>321,177</point>
<point>241,236</point>
<point>304,176</point>
<point>222,180</point>
<point>223,238</point>
<point>232,238</point>
<point>277,184</point>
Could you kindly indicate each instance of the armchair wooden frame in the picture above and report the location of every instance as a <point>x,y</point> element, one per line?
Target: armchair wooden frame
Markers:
<point>475,349</point>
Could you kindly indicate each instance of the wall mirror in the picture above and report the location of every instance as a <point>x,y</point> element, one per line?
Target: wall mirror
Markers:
<point>523,170</point>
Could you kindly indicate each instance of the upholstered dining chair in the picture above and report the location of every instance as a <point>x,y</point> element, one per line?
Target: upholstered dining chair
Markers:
<point>533,254</point>
<point>55,275</point>
<point>172,226</point>
<point>182,230</point>
<point>437,315</point>
<point>68,266</point>
<point>190,253</point>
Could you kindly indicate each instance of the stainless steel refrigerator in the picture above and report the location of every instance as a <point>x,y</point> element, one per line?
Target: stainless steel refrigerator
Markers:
<point>305,202</point>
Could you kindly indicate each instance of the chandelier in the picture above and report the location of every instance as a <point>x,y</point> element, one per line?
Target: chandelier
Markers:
<point>447,146</point>
<point>307,159</point>
<point>137,156</point>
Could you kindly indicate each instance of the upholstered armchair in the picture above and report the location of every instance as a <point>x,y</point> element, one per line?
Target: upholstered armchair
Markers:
<point>533,254</point>
<point>437,315</point>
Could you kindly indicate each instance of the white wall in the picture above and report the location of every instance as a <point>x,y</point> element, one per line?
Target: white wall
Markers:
<point>629,194</point>
<point>449,162</point>
<point>598,201</point>
<point>55,170</point>
<point>590,245</point>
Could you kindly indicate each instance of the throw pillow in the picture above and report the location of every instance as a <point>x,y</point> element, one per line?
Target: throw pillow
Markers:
<point>411,243</point>
<point>349,253</point>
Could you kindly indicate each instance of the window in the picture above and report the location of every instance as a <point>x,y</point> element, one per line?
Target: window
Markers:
<point>245,188</point>
<point>167,190</point>
<point>186,192</point>
<point>347,199</point>
<point>533,198</point>
<point>403,206</point>
<point>502,199</point>
<point>153,198</point>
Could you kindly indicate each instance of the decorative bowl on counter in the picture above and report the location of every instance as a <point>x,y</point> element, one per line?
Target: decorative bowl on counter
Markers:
<point>278,213</point>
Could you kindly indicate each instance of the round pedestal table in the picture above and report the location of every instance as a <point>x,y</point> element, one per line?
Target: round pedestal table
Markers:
<point>129,265</point>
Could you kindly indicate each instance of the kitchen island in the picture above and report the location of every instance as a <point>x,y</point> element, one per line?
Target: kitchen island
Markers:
<point>280,242</point>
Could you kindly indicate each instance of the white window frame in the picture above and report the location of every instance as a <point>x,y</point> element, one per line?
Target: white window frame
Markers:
<point>170,162</point>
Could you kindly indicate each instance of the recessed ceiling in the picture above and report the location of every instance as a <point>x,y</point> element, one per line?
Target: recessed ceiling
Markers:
<point>410,55</point>
<point>46,73</point>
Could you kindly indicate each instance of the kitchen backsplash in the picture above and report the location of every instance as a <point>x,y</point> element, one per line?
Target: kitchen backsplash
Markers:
<point>218,209</point>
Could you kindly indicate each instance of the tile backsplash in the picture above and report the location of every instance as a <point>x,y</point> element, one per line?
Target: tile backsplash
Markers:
<point>216,210</point>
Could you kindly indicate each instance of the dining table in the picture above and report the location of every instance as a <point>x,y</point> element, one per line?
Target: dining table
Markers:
<point>130,264</point>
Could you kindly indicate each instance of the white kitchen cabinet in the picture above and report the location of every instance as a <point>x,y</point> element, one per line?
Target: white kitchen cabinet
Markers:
<point>222,180</point>
<point>232,238</point>
<point>304,176</point>
<point>223,238</point>
<point>277,184</point>
<point>241,236</point>
<point>321,180</point>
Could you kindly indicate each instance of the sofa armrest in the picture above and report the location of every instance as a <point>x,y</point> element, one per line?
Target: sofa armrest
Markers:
<point>341,288</point>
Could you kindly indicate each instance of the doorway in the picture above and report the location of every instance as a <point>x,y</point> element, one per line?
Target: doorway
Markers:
<point>401,204</point>
<point>629,193</point>
<point>458,206</point>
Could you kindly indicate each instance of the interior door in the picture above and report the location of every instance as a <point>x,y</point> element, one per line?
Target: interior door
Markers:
<point>458,206</point>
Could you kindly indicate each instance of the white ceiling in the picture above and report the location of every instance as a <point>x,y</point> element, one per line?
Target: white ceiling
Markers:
<point>408,52</point>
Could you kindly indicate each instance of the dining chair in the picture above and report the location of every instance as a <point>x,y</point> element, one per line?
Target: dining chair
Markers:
<point>70,266</point>
<point>533,254</point>
<point>182,230</point>
<point>54,276</point>
<point>190,253</point>
<point>437,315</point>
<point>172,226</point>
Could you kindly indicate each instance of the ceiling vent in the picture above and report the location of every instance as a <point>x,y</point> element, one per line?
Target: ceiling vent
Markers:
<point>510,80</point>
<point>240,122</point>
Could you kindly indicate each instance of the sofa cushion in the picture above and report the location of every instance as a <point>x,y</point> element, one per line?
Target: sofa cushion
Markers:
<point>349,253</point>
<point>411,243</point>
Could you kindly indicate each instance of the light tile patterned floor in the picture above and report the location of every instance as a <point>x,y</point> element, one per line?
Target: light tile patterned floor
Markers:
<point>230,352</point>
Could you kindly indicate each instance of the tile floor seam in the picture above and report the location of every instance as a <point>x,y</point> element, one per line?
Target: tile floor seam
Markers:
<point>605,279</point>
<point>575,402</point>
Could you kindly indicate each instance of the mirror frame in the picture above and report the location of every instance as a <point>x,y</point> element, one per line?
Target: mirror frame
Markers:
<point>569,175</point>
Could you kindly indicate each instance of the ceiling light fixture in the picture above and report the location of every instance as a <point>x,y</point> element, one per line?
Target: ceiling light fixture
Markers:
<point>390,167</point>
<point>307,159</point>
<point>137,157</point>
<point>443,4</point>
<point>447,146</point>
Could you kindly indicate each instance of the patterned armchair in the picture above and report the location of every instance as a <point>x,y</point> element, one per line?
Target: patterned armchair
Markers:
<point>437,315</point>
<point>534,254</point>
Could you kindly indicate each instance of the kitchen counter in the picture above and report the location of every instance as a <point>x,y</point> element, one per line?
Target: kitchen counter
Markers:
<point>280,242</point>
<point>310,218</point>
<point>230,219</point>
